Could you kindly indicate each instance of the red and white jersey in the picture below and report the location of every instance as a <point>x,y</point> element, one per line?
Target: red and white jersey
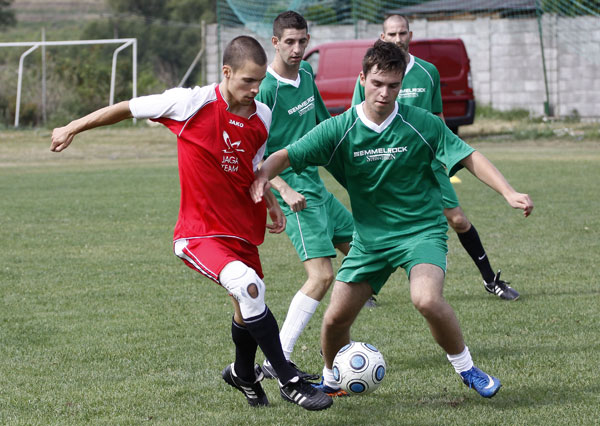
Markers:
<point>218,153</point>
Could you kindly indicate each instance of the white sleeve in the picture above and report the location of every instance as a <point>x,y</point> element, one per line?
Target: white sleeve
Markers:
<point>265,114</point>
<point>177,104</point>
<point>259,156</point>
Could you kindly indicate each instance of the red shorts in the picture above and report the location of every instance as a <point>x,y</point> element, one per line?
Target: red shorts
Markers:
<point>209,255</point>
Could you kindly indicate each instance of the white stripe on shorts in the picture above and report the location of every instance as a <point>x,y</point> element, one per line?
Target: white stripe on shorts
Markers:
<point>180,249</point>
<point>301,236</point>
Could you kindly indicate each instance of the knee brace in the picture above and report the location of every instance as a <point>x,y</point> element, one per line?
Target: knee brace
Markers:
<point>246,286</point>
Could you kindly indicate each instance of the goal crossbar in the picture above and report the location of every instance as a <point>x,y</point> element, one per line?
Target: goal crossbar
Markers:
<point>33,45</point>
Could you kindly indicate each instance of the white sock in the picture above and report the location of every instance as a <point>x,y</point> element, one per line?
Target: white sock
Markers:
<point>299,313</point>
<point>328,379</point>
<point>462,361</point>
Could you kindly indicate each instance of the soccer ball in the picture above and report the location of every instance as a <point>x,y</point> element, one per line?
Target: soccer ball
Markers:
<point>359,368</point>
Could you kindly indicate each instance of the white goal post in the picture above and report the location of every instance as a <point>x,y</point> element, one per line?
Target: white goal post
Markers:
<point>33,45</point>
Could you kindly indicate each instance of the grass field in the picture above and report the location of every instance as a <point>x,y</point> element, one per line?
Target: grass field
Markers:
<point>101,324</point>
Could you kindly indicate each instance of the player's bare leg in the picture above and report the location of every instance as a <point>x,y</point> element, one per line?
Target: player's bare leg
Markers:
<point>347,299</point>
<point>457,219</point>
<point>320,277</point>
<point>343,247</point>
<point>426,292</point>
<point>426,288</point>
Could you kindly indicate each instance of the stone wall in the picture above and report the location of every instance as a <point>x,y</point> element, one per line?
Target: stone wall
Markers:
<point>506,58</point>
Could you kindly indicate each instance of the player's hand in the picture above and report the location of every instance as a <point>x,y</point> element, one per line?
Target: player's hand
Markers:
<point>61,139</point>
<point>520,201</point>
<point>277,218</point>
<point>258,188</point>
<point>294,199</point>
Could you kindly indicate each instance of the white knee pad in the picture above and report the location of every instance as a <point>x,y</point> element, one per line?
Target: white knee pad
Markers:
<point>236,278</point>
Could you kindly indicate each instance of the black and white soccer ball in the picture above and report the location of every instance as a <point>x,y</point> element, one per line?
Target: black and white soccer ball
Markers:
<point>359,368</point>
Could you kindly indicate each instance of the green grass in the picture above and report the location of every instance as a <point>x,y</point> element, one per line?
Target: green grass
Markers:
<point>101,324</point>
<point>487,112</point>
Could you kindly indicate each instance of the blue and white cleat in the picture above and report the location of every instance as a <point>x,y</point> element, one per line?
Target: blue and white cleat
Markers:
<point>333,392</point>
<point>486,385</point>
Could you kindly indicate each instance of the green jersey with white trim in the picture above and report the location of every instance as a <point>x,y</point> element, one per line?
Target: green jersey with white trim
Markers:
<point>420,86</point>
<point>297,107</point>
<point>386,169</point>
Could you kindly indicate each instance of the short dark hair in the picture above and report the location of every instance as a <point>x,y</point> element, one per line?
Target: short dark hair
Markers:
<point>396,16</point>
<point>286,20</point>
<point>386,56</point>
<point>241,49</point>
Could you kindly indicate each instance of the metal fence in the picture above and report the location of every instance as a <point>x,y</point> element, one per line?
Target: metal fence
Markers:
<point>258,15</point>
<point>563,36</point>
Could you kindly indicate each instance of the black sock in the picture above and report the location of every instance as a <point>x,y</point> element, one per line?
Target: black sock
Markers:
<point>265,331</point>
<point>245,352</point>
<point>472,244</point>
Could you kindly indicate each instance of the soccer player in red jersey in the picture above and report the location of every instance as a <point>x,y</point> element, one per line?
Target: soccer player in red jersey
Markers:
<point>221,136</point>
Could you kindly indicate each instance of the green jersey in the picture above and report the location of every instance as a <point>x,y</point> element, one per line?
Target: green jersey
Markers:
<point>297,107</point>
<point>420,86</point>
<point>386,169</point>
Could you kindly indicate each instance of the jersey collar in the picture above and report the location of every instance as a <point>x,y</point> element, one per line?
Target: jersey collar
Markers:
<point>295,83</point>
<point>411,63</point>
<point>221,98</point>
<point>371,125</point>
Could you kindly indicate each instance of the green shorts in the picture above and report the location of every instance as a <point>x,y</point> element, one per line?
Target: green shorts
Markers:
<point>375,267</point>
<point>449,197</point>
<point>315,231</point>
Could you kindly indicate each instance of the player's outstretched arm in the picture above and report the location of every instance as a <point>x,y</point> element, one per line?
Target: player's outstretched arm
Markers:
<point>278,220</point>
<point>486,172</point>
<point>63,136</point>
<point>292,198</point>
<point>273,166</point>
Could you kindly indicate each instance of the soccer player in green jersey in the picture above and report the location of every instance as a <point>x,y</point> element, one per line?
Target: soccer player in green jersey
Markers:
<point>421,87</point>
<point>383,152</point>
<point>317,223</point>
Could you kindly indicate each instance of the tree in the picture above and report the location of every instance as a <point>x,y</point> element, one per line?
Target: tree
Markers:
<point>7,15</point>
<point>189,11</point>
<point>320,14</point>
<point>168,33</point>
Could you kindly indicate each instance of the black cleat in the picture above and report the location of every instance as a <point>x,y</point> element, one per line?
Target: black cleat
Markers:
<point>501,288</point>
<point>253,392</point>
<point>270,372</point>
<point>298,391</point>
